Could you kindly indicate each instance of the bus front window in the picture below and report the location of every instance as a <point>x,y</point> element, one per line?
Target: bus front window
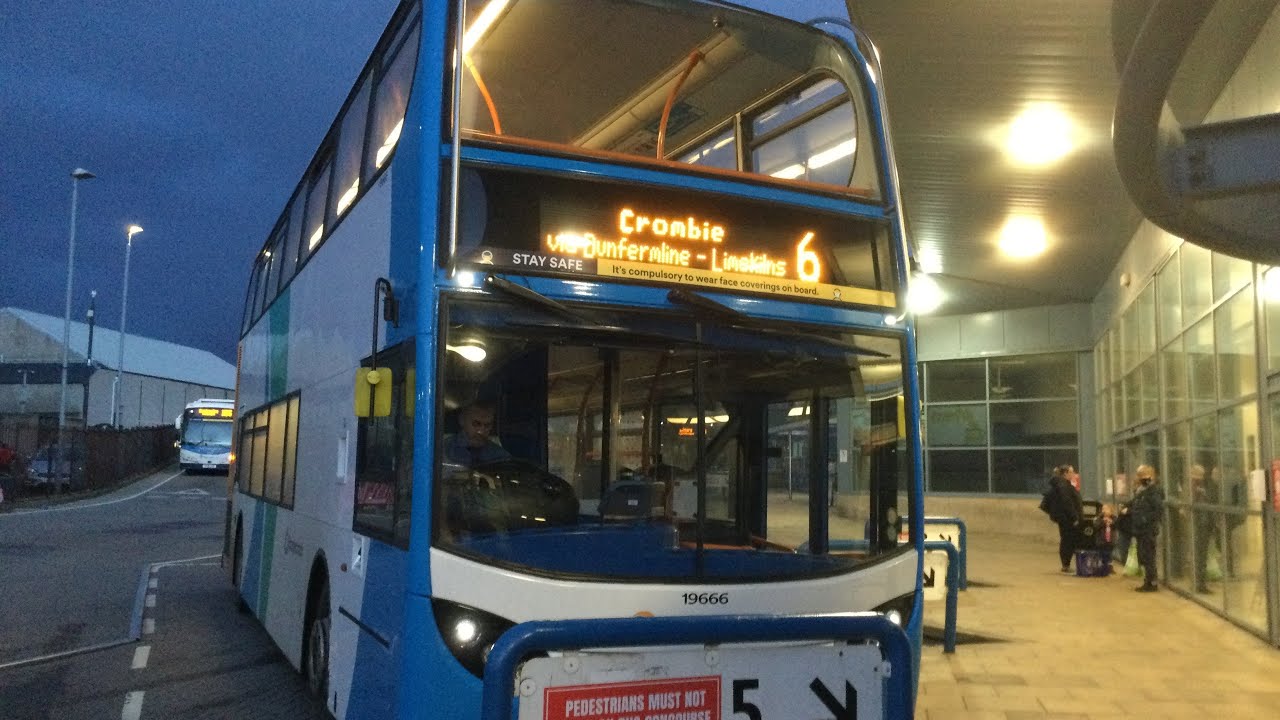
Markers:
<point>670,81</point>
<point>207,433</point>
<point>653,447</point>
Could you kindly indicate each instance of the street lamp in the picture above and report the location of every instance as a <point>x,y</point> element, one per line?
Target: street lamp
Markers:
<point>76,176</point>
<point>124,306</point>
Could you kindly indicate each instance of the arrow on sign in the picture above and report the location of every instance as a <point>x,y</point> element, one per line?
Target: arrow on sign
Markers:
<point>848,711</point>
<point>929,577</point>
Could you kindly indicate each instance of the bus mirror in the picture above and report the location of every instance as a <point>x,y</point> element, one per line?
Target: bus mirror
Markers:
<point>373,392</point>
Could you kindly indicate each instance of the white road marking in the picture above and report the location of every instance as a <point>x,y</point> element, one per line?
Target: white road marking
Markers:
<point>155,567</point>
<point>154,582</point>
<point>132,706</point>
<point>151,600</point>
<point>148,626</point>
<point>141,654</point>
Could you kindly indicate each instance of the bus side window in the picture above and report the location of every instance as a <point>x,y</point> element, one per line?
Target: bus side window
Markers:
<point>384,456</point>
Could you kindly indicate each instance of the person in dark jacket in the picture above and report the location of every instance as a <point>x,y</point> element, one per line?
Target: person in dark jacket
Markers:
<point>1204,491</point>
<point>1147,510</point>
<point>1066,509</point>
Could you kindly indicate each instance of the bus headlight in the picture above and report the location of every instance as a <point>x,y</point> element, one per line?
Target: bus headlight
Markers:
<point>468,632</point>
<point>897,610</point>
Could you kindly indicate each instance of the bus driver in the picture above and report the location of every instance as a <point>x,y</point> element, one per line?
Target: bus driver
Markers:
<point>473,444</point>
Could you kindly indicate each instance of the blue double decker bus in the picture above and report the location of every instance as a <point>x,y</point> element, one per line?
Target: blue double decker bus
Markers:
<point>577,347</point>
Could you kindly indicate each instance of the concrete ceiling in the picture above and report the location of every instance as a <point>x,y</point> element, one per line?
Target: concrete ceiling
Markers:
<point>957,73</point>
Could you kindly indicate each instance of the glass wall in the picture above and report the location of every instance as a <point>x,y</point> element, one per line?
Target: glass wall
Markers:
<point>999,425</point>
<point>1178,381</point>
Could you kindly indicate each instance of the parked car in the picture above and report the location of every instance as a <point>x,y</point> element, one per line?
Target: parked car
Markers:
<point>45,473</point>
<point>13,470</point>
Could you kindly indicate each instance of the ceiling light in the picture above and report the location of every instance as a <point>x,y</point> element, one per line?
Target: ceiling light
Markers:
<point>472,353</point>
<point>923,296</point>
<point>1041,134</point>
<point>830,155</point>
<point>1023,237</point>
<point>930,258</point>
<point>1271,285</point>
<point>789,172</point>
<point>482,23</point>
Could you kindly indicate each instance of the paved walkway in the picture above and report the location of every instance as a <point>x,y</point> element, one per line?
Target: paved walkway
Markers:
<point>1089,648</point>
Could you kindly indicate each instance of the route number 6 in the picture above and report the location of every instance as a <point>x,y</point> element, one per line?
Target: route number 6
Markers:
<point>808,267</point>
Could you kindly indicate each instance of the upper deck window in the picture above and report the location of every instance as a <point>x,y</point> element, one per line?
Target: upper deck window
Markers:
<point>683,82</point>
<point>358,147</point>
<point>391,99</point>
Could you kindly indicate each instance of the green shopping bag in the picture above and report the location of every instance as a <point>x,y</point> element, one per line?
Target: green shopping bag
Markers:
<point>1131,566</point>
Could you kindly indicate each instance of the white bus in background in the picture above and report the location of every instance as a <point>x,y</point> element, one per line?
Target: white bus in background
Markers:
<point>204,435</point>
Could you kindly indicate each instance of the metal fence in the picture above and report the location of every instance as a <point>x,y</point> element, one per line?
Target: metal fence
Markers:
<point>96,459</point>
<point>113,456</point>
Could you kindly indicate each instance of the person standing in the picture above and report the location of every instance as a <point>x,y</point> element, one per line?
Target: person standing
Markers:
<point>1066,509</point>
<point>1204,491</point>
<point>1147,510</point>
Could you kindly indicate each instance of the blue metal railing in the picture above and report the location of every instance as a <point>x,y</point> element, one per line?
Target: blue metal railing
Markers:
<point>962,547</point>
<point>953,591</point>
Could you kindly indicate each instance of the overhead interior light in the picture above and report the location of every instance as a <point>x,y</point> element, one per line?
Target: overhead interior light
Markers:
<point>1023,237</point>
<point>348,197</point>
<point>469,352</point>
<point>482,23</point>
<point>789,172</point>
<point>923,296</point>
<point>830,155</point>
<point>389,144</point>
<point>1041,134</point>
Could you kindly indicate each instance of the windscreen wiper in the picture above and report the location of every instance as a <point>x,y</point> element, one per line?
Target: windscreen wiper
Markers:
<point>520,292</point>
<point>709,309</point>
<point>609,333</point>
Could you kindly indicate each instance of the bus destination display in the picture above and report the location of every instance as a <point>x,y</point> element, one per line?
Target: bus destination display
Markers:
<point>552,225</point>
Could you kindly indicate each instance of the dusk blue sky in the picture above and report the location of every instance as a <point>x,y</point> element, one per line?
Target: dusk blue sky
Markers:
<point>197,118</point>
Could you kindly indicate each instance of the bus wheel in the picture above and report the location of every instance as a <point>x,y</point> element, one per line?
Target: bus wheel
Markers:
<point>316,653</point>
